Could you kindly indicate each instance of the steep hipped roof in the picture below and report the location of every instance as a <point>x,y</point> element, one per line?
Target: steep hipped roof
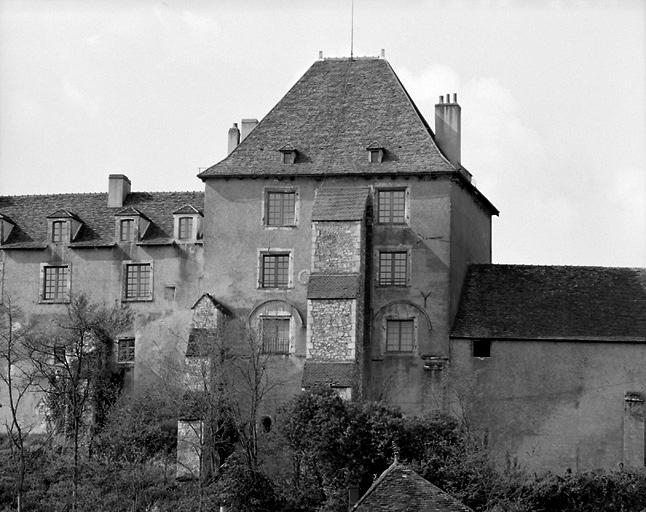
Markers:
<point>552,302</point>
<point>330,116</point>
<point>29,214</point>
<point>338,204</point>
<point>401,488</point>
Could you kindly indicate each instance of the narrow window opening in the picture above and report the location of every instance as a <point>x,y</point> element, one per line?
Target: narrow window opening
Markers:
<point>481,348</point>
<point>185,229</point>
<point>60,231</point>
<point>266,423</point>
<point>126,350</point>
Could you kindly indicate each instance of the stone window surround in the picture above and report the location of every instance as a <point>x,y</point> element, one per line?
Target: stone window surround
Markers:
<point>73,227</point>
<point>386,188</point>
<point>124,274</point>
<point>392,248</point>
<point>127,362</point>
<point>290,271</point>
<point>278,315</point>
<point>41,284</point>
<point>278,188</point>
<point>384,333</point>
<point>138,232</point>
<point>196,228</point>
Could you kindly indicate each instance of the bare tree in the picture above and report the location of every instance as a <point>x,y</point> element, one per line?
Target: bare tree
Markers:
<point>72,355</point>
<point>18,376</point>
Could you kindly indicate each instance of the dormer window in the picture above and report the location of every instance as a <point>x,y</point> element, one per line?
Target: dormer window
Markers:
<point>6,227</point>
<point>130,225</point>
<point>127,230</point>
<point>63,226</point>
<point>375,153</point>
<point>288,154</point>
<point>60,231</point>
<point>187,224</point>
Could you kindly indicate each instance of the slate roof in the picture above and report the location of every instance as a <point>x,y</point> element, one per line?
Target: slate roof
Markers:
<point>334,111</point>
<point>328,374</point>
<point>29,214</point>
<point>401,488</point>
<point>339,204</point>
<point>337,286</point>
<point>552,302</point>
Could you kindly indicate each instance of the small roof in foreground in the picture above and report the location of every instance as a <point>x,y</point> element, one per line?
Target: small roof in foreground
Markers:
<point>553,302</point>
<point>399,488</point>
<point>338,204</point>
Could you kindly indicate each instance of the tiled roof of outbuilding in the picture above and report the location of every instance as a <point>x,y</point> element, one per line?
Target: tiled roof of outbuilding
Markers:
<point>336,109</point>
<point>553,302</point>
<point>328,374</point>
<point>29,214</point>
<point>401,488</point>
<point>338,204</point>
<point>337,286</point>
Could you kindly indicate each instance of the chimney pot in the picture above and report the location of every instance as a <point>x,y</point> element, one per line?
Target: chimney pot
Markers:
<point>448,128</point>
<point>234,138</point>
<point>247,126</point>
<point>320,54</point>
<point>383,53</point>
<point>118,189</point>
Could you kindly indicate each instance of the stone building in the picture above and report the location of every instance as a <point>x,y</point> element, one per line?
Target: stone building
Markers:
<point>348,235</point>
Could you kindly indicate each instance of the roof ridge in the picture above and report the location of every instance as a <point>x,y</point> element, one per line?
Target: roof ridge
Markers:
<point>531,265</point>
<point>374,485</point>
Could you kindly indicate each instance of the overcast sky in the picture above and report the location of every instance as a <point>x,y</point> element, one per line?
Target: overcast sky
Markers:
<point>553,97</point>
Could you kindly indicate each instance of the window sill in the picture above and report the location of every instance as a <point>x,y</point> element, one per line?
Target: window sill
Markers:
<point>137,299</point>
<point>280,227</point>
<point>54,301</point>
<point>275,288</point>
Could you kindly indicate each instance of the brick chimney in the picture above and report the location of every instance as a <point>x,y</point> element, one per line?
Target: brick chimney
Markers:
<point>447,128</point>
<point>234,138</point>
<point>247,126</point>
<point>118,189</point>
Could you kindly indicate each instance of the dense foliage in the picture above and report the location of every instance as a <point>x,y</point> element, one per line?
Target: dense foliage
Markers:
<point>319,446</point>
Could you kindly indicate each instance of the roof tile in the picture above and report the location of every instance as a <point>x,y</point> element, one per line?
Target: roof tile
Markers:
<point>334,204</point>
<point>553,302</point>
<point>337,286</point>
<point>328,374</point>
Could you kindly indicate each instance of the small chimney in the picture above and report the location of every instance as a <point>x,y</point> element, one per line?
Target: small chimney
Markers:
<point>320,54</point>
<point>247,126</point>
<point>234,137</point>
<point>448,128</point>
<point>383,53</point>
<point>118,189</point>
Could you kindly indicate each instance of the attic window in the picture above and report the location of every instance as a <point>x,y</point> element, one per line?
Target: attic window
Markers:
<point>288,154</point>
<point>187,224</point>
<point>60,231</point>
<point>375,153</point>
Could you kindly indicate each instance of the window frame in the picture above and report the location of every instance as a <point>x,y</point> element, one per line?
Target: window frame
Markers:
<point>266,204</point>
<point>405,217</point>
<point>57,299</point>
<point>148,296</point>
<point>400,321</point>
<point>65,234</point>
<point>262,254</point>
<point>392,283</point>
<point>187,231</point>
<point>262,329</point>
<point>136,228</point>
<point>131,351</point>
<point>132,230</point>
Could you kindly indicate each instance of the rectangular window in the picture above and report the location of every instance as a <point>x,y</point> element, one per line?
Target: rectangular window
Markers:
<point>391,206</point>
<point>60,231</point>
<point>185,230</point>
<point>280,208</point>
<point>275,335</point>
<point>127,230</point>
<point>400,335</point>
<point>138,281</point>
<point>126,350</point>
<point>393,268</point>
<point>274,271</point>
<point>481,348</point>
<point>56,283</point>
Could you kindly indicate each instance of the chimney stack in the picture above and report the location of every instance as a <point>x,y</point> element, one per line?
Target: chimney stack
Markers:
<point>247,126</point>
<point>118,189</point>
<point>234,138</point>
<point>448,128</point>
